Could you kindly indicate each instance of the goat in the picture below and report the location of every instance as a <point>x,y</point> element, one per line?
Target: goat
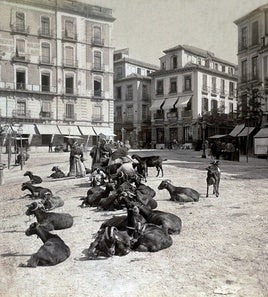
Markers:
<point>52,252</point>
<point>109,242</point>
<point>36,192</point>
<point>180,194</point>
<point>50,202</point>
<point>57,172</point>
<point>151,161</point>
<point>50,220</point>
<point>168,221</point>
<point>34,179</point>
<point>213,177</point>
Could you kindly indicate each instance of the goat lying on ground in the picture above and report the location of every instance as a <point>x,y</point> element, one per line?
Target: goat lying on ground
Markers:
<point>179,194</point>
<point>213,177</point>
<point>36,192</point>
<point>151,161</point>
<point>50,220</point>
<point>50,202</point>
<point>57,172</point>
<point>52,252</point>
<point>34,179</point>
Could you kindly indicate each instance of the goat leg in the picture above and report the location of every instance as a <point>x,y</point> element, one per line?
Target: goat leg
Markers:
<point>207,190</point>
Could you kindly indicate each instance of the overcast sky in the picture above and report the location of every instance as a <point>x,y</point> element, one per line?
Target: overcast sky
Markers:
<point>147,27</point>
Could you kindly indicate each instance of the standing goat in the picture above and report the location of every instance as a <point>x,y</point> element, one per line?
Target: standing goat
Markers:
<point>52,252</point>
<point>179,194</point>
<point>34,179</point>
<point>213,177</point>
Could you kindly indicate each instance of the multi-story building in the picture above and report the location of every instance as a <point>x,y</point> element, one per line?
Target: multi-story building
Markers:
<point>191,82</point>
<point>56,69</point>
<point>253,70</point>
<point>132,92</point>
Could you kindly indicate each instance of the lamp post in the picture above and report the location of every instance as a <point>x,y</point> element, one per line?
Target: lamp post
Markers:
<point>204,140</point>
<point>20,131</point>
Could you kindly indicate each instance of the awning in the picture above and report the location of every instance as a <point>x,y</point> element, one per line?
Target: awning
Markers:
<point>157,104</point>
<point>72,137</point>
<point>237,129</point>
<point>86,130</point>
<point>217,136</point>
<point>47,129</point>
<point>169,103</point>
<point>25,129</point>
<point>69,130</point>
<point>107,131</point>
<point>246,131</point>
<point>182,102</point>
<point>263,133</point>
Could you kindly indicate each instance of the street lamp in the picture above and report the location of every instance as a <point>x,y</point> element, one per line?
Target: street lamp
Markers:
<point>20,131</point>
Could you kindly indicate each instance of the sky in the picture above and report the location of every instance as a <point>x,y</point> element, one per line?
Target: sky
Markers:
<point>148,27</point>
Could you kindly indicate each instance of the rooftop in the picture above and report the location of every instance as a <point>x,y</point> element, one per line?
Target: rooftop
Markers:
<point>252,13</point>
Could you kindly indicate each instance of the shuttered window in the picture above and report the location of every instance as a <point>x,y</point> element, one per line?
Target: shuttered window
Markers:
<point>45,52</point>
<point>255,33</point>
<point>69,110</point>
<point>20,21</point>
<point>69,55</point>
<point>45,26</point>
<point>97,60</point>
<point>46,106</point>
<point>20,46</point>
<point>69,29</point>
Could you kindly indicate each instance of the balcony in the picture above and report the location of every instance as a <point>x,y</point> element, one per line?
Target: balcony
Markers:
<point>145,97</point>
<point>98,94</point>
<point>173,115</point>
<point>70,117</point>
<point>69,91</point>
<point>20,29</point>
<point>205,89</point>
<point>45,60</point>
<point>70,63</point>
<point>44,33</point>
<point>45,88</point>
<point>186,114</point>
<point>98,67</point>
<point>21,58</point>
<point>69,37</point>
<point>222,94</point>
<point>97,41</point>
<point>146,120</point>
<point>17,113</point>
<point>46,115</point>
<point>97,118</point>
<point>21,86</point>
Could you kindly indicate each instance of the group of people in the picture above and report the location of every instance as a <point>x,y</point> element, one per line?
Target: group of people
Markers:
<point>228,151</point>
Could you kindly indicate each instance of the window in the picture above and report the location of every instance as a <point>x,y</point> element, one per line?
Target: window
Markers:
<point>244,105</point>
<point>148,72</point>
<point>129,94</point>
<point>199,61</point>
<point>69,56</point>
<point>160,135</point>
<point>69,111</point>
<point>97,60</point>
<point>173,85</point>
<point>45,26</point>
<point>20,21</point>
<point>163,65</point>
<point>45,82</point>
<point>230,70</point>
<point>145,93</point>
<point>21,108</point>
<point>45,58</point>
<point>216,66</point>
<point>244,37</point>
<point>97,87</point>
<point>266,22</point>
<point>69,29</point>
<point>214,106</point>
<point>69,85</point>
<point>159,87</point>
<point>231,89</point>
<point>97,114</point>
<point>207,63</point>
<point>46,109</point>
<point>222,87</point>
<point>144,112</point>
<point>187,83</point>
<point>205,83</point>
<point>20,79</point>
<point>20,48</point>
<point>118,93</point>
<point>118,73</point>
<point>223,68</point>
<point>244,70</point>
<point>174,63</point>
<point>129,113</point>
<point>255,33</point>
<point>204,105</point>
<point>138,70</point>
<point>118,114</point>
<point>254,67</point>
<point>97,35</point>
<point>213,82</point>
<point>231,107</point>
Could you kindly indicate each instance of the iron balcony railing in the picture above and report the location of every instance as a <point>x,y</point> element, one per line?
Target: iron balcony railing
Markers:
<point>98,94</point>
<point>70,63</point>
<point>98,67</point>
<point>46,115</point>
<point>97,41</point>
<point>186,113</point>
<point>42,32</point>
<point>20,28</point>
<point>17,113</point>
<point>69,36</point>
<point>45,60</point>
<point>172,115</point>
<point>21,86</point>
<point>97,118</point>
<point>70,117</point>
<point>21,57</point>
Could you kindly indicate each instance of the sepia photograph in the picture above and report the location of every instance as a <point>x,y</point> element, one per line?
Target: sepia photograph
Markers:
<point>133,148</point>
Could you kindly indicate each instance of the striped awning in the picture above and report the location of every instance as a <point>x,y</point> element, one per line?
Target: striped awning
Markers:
<point>157,104</point>
<point>263,133</point>
<point>107,131</point>
<point>237,129</point>
<point>86,130</point>
<point>169,103</point>
<point>25,129</point>
<point>48,129</point>
<point>183,101</point>
<point>69,130</point>
<point>246,131</point>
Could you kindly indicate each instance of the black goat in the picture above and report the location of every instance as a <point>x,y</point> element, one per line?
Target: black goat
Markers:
<point>50,220</point>
<point>57,172</point>
<point>213,177</point>
<point>151,161</point>
<point>180,194</point>
<point>109,242</point>
<point>34,179</point>
<point>52,252</point>
<point>50,202</point>
<point>36,192</point>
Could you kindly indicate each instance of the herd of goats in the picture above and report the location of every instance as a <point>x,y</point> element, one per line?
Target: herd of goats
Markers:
<point>142,228</point>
